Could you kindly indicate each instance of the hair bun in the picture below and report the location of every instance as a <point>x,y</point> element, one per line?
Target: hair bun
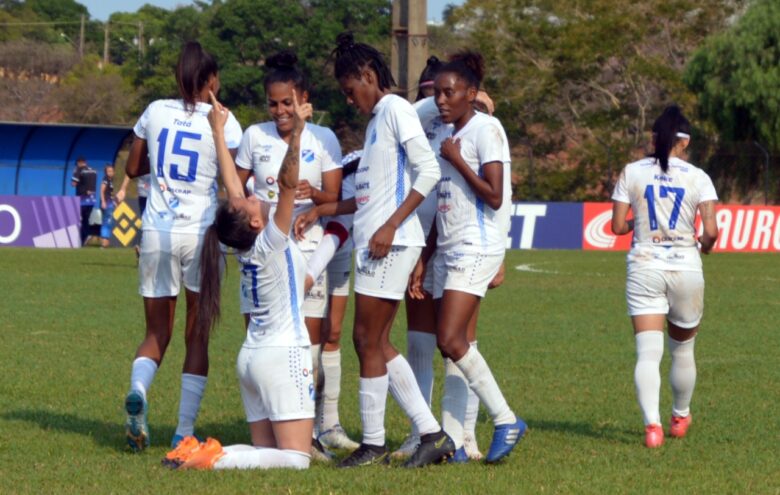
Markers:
<point>345,40</point>
<point>473,60</point>
<point>433,60</point>
<point>282,60</point>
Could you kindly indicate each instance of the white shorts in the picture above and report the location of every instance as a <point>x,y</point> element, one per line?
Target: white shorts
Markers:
<point>166,259</point>
<point>339,271</point>
<point>276,383</point>
<point>429,271</point>
<point>464,272</point>
<point>677,294</point>
<point>386,278</point>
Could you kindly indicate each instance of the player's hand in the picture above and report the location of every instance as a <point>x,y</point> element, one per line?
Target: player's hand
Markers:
<point>499,278</point>
<point>218,115</point>
<point>308,283</point>
<point>416,281</point>
<point>301,113</point>
<point>120,195</point>
<point>304,221</point>
<point>381,242</point>
<point>484,103</point>
<point>450,149</point>
<point>705,247</point>
<point>305,190</point>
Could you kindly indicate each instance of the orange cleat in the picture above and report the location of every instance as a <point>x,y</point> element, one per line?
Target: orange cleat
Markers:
<point>181,453</point>
<point>654,436</point>
<point>205,455</point>
<point>680,426</point>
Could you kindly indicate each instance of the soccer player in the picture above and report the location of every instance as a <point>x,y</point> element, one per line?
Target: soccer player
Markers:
<point>275,362</point>
<point>176,137</point>
<point>474,198</point>
<point>397,170</point>
<point>261,153</point>
<point>665,279</point>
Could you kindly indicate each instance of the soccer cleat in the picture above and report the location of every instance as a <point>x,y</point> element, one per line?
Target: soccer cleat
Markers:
<point>319,453</point>
<point>505,437</point>
<point>336,438</point>
<point>204,456</point>
<point>181,452</point>
<point>136,427</point>
<point>654,436</point>
<point>471,447</point>
<point>434,448</point>
<point>406,450</point>
<point>366,455</point>
<point>680,426</point>
<point>459,457</point>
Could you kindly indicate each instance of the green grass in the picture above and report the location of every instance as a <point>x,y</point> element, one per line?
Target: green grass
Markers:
<point>558,341</point>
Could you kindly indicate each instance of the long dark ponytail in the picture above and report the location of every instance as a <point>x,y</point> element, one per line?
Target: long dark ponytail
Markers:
<point>231,228</point>
<point>193,71</point>
<point>666,133</point>
<point>351,58</point>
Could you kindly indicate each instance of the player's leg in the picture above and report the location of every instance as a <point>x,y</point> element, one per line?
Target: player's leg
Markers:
<point>470,445</point>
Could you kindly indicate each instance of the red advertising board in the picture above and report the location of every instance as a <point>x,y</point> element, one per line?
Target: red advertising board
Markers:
<point>746,229</point>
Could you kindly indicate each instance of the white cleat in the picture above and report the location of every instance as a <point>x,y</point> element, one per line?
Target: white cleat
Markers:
<point>471,447</point>
<point>320,453</point>
<point>407,448</point>
<point>336,438</point>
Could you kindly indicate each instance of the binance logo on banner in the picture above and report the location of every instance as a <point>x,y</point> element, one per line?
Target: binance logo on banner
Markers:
<point>126,223</point>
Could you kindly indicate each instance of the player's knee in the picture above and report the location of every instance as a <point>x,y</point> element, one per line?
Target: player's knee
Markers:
<point>364,343</point>
<point>452,346</point>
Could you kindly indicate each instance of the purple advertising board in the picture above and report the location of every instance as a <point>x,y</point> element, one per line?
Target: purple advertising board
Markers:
<point>40,221</point>
<point>546,226</point>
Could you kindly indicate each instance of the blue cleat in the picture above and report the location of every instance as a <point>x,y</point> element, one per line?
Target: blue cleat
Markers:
<point>459,457</point>
<point>505,437</point>
<point>136,427</point>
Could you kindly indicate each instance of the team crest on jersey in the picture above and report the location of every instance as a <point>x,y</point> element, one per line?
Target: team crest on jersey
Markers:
<point>270,180</point>
<point>271,195</point>
<point>307,156</point>
<point>173,202</point>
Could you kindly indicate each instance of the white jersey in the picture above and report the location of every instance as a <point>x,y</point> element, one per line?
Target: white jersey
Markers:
<point>464,222</point>
<point>184,167</point>
<point>383,178</point>
<point>262,151</point>
<point>274,282</point>
<point>143,185</point>
<point>664,207</point>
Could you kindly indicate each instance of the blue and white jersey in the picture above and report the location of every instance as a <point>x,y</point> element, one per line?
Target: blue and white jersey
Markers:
<point>274,282</point>
<point>262,151</point>
<point>464,222</point>
<point>664,207</point>
<point>383,178</point>
<point>183,163</point>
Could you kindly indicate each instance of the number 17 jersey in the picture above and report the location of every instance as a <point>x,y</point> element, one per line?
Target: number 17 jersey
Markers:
<point>664,207</point>
<point>183,165</point>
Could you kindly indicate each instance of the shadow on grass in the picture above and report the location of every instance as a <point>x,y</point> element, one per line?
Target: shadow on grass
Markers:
<point>112,434</point>
<point>607,432</point>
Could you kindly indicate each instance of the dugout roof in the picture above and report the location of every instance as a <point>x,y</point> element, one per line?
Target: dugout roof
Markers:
<point>38,159</point>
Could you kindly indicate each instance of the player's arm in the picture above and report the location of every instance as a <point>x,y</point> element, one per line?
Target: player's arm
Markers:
<point>137,159</point>
<point>620,225</point>
<point>708,220</point>
<point>218,116</point>
<point>288,173</point>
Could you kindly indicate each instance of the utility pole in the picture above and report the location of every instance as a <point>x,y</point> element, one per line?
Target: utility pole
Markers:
<point>105,45</point>
<point>410,44</point>
<point>81,38</point>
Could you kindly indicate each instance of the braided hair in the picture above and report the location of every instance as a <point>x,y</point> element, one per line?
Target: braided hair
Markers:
<point>351,58</point>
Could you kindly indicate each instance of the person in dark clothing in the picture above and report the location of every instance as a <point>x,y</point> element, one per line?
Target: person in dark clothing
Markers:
<point>85,181</point>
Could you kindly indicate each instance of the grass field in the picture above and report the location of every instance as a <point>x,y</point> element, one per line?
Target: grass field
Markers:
<point>557,338</point>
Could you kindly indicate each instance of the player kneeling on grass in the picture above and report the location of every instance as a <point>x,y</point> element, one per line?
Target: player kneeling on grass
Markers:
<point>665,279</point>
<point>274,365</point>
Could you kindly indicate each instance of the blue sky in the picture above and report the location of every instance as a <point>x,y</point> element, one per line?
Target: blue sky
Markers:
<point>101,9</point>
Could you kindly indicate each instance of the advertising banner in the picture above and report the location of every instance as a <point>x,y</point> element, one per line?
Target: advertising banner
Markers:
<point>546,226</point>
<point>40,221</point>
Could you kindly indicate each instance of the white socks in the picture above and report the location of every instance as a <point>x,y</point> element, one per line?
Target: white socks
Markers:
<point>682,375</point>
<point>142,375</point>
<point>331,370</point>
<point>420,348</point>
<point>647,375</point>
<point>472,409</point>
<point>454,402</point>
<point>406,392</point>
<point>192,388</point>
<point>248,457</point>
<point>318,386</point>
<point>372,396</point>
<point>482,382</point>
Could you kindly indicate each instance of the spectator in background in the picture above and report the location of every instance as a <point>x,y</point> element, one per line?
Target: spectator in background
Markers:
<point>142,185</point>
<point>107,205</point>
<point>84,180</point>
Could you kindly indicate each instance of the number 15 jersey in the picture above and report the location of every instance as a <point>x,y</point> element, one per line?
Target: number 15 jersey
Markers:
<point>664,206</point>
<point>183,165</point>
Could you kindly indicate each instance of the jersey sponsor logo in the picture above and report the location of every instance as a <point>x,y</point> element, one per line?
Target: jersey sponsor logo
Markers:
<point>182,123</point>
<point>663,178</point>
<point>308,156</point>
<point>264,158</point>
<point>361,200</point>
<point>270,180</point>
<point>271,194</point>
<point>444,208</point>
<point>361,186</point>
